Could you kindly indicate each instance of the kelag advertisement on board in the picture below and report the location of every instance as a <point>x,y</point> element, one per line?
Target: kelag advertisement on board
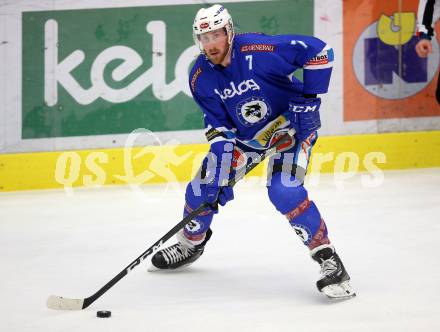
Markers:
<point>124,68</point>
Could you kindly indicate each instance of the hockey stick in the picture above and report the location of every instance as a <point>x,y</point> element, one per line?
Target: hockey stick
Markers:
<point>63,303</point>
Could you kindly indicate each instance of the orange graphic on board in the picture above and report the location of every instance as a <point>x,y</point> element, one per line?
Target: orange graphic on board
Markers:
<point>383,76</point>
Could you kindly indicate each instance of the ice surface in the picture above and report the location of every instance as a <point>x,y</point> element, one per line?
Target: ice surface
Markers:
<point>254,276</point>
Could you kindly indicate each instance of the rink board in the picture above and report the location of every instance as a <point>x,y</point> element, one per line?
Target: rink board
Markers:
<point>161,164</point>
<point>376,89</point>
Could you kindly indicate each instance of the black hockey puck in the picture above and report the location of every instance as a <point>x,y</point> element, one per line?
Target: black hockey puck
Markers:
<point>103,314</point>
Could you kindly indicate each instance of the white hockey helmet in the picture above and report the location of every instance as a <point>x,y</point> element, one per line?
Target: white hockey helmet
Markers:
<point>210,19</point>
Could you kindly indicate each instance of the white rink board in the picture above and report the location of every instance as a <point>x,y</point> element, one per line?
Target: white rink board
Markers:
<point>254,276</point>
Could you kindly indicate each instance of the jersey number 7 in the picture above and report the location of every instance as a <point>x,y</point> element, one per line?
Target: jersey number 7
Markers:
<point>249,58</point>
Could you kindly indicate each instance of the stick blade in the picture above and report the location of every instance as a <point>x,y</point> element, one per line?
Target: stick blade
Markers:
<point>62,303</point>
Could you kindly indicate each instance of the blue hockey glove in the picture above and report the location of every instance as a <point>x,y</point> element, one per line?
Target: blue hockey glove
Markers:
<point>222,195</point>
<point>217,190</point>
<point>304,116</point>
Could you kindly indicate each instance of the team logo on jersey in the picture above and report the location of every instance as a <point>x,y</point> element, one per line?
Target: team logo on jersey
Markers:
<point>303,233</point>
<point>252,110</point>
<point>193,226</point>
<point>241,88</point>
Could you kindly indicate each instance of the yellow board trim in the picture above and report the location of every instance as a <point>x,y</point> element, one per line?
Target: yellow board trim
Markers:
<point>91,168</point>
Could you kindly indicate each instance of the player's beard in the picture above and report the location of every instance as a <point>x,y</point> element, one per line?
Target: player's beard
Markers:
<point>216,56</point>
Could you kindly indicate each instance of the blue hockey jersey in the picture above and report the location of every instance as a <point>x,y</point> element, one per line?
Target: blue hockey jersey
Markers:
<point>246,100</point>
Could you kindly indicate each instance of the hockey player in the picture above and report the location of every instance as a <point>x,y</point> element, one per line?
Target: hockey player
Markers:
<point>249,97</point>
<point>428,14</point>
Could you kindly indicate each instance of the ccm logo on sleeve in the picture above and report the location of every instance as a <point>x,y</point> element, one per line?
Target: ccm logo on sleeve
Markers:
<point>303,109</point>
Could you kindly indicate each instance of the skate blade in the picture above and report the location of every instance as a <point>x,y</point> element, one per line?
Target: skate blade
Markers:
<point>339,291</point>
<point>152,268</point>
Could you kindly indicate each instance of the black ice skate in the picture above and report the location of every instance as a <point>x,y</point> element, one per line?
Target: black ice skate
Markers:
<point>335,281</point>
<point>178,255</point>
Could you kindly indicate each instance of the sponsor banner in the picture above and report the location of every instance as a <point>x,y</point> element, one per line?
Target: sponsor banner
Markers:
<point>345,156</point>
<point>383,76</point>
<point>112,70</point>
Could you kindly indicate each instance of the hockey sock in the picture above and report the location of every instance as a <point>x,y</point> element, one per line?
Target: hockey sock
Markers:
<point>306,220</point>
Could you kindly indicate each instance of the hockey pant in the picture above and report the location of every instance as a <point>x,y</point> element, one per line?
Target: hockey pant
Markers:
<point>285,178</point>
